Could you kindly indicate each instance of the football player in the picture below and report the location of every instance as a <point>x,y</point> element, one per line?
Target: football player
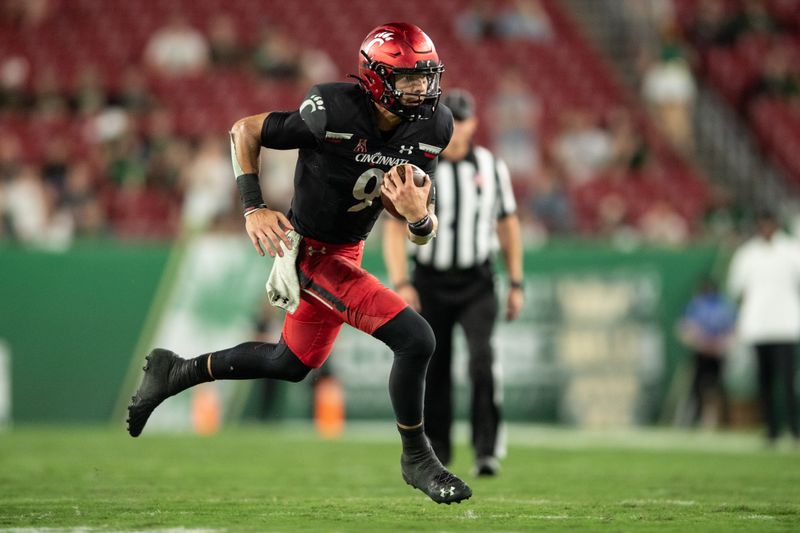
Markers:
<point>350,137</point>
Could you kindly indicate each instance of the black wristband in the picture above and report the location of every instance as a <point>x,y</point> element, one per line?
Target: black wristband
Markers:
<point>421,227</point>
<point>249,190</point>
<point>516,285</point>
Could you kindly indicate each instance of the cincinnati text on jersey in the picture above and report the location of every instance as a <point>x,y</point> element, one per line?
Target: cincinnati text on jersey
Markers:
<point>380,159</point>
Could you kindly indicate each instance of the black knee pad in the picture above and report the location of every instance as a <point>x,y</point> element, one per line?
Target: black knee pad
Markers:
<point>408,334</point>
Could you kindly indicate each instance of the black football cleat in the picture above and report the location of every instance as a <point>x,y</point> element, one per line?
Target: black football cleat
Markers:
<point>158,384</point>
<point>428,475</point>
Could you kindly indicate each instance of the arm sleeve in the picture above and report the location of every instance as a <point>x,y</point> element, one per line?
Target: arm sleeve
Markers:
<point>285,131</point>
<point>508,205</point>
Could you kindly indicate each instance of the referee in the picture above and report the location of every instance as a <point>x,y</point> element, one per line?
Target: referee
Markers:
<point>453,280</point>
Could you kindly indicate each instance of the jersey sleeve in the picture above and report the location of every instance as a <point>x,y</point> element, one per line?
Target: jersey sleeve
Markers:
<point>286,130</point>
<point>313,112</point>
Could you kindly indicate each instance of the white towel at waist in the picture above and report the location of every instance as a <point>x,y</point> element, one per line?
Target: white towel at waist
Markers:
<point>283,285</point>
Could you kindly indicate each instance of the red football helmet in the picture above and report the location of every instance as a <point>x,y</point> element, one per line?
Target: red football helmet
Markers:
<point>401,52</point>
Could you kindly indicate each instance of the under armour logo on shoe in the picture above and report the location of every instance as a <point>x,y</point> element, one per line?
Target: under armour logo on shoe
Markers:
<point>444,492</point>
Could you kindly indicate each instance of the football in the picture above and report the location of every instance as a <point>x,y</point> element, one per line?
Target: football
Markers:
<point>419,180</point>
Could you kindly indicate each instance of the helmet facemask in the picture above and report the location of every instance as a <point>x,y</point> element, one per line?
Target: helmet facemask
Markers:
<point>410,93</point>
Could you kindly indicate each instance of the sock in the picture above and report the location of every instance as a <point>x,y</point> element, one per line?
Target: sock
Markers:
<point>415,443</point>
<point>186,373</point>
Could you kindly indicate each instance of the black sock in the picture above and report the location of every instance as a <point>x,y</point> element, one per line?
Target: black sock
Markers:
<point>199,368</point>
<point>414,441</point>
<point>253,360</point>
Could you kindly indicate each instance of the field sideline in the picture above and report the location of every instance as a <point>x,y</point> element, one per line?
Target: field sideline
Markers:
<point>284,478</point>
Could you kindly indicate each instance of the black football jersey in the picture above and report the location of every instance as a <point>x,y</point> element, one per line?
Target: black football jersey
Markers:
<point>343,157</point>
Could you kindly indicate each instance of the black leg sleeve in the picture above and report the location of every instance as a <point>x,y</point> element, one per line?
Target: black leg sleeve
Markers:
<point>412,341</point>
<point>252,360</point>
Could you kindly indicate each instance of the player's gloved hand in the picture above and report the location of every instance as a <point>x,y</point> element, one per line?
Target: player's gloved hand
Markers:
<point>267,227</point>
<point>409,200</point>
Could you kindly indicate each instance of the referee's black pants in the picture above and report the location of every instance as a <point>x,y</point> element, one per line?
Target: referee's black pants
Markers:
<point>776,363</point>
<point>465,297</point>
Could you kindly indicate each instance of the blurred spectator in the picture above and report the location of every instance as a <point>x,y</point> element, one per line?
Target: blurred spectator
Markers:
<point>139,210</point>
<point>207,184</point>
<point>276,55</point>
<point>82,202</point>
<point>765,276</point>
<point>25,13</point>
<point>224,44</point>
<point>582,149</point>
<point>752,18</point>
<point>89,95</point>
<point>519,19</point>
<point>476,22</point>
<point>10,156</point>
<point>629,149</point>
<point>668,88</point>
<point>711,26</point>
<point>32,217</point>
<point>56,163</point>
<point>778,78</point>
<point>14,95</point>
<point>316,66</point>
<point>50,101</point>
<point>134,94</point>
<point>517,115</point>
<point>177,49</point>
<point>159,130</point>
<point>524,19</point>
<point>662,225</point>
<point>550,202</point>
<point>707,328</point>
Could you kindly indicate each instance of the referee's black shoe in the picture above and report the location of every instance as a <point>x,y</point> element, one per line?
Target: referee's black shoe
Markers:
<point>423,471</point>
<point>165,374</point>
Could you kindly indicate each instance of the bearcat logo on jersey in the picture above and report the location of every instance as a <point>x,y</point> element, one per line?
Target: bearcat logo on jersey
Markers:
<point>378,159</point>
<point>315,101</point>
<point>429,150</point>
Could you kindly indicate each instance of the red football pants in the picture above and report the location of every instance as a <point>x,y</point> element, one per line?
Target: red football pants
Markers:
<point>335,290</point>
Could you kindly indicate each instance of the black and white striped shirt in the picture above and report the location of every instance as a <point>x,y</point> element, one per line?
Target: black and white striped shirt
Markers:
<point>471,195</point>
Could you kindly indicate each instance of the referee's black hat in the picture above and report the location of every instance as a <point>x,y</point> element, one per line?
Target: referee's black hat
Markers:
<point>460,102</point>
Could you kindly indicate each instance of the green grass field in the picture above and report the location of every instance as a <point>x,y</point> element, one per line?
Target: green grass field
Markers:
<point>284,478</point>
